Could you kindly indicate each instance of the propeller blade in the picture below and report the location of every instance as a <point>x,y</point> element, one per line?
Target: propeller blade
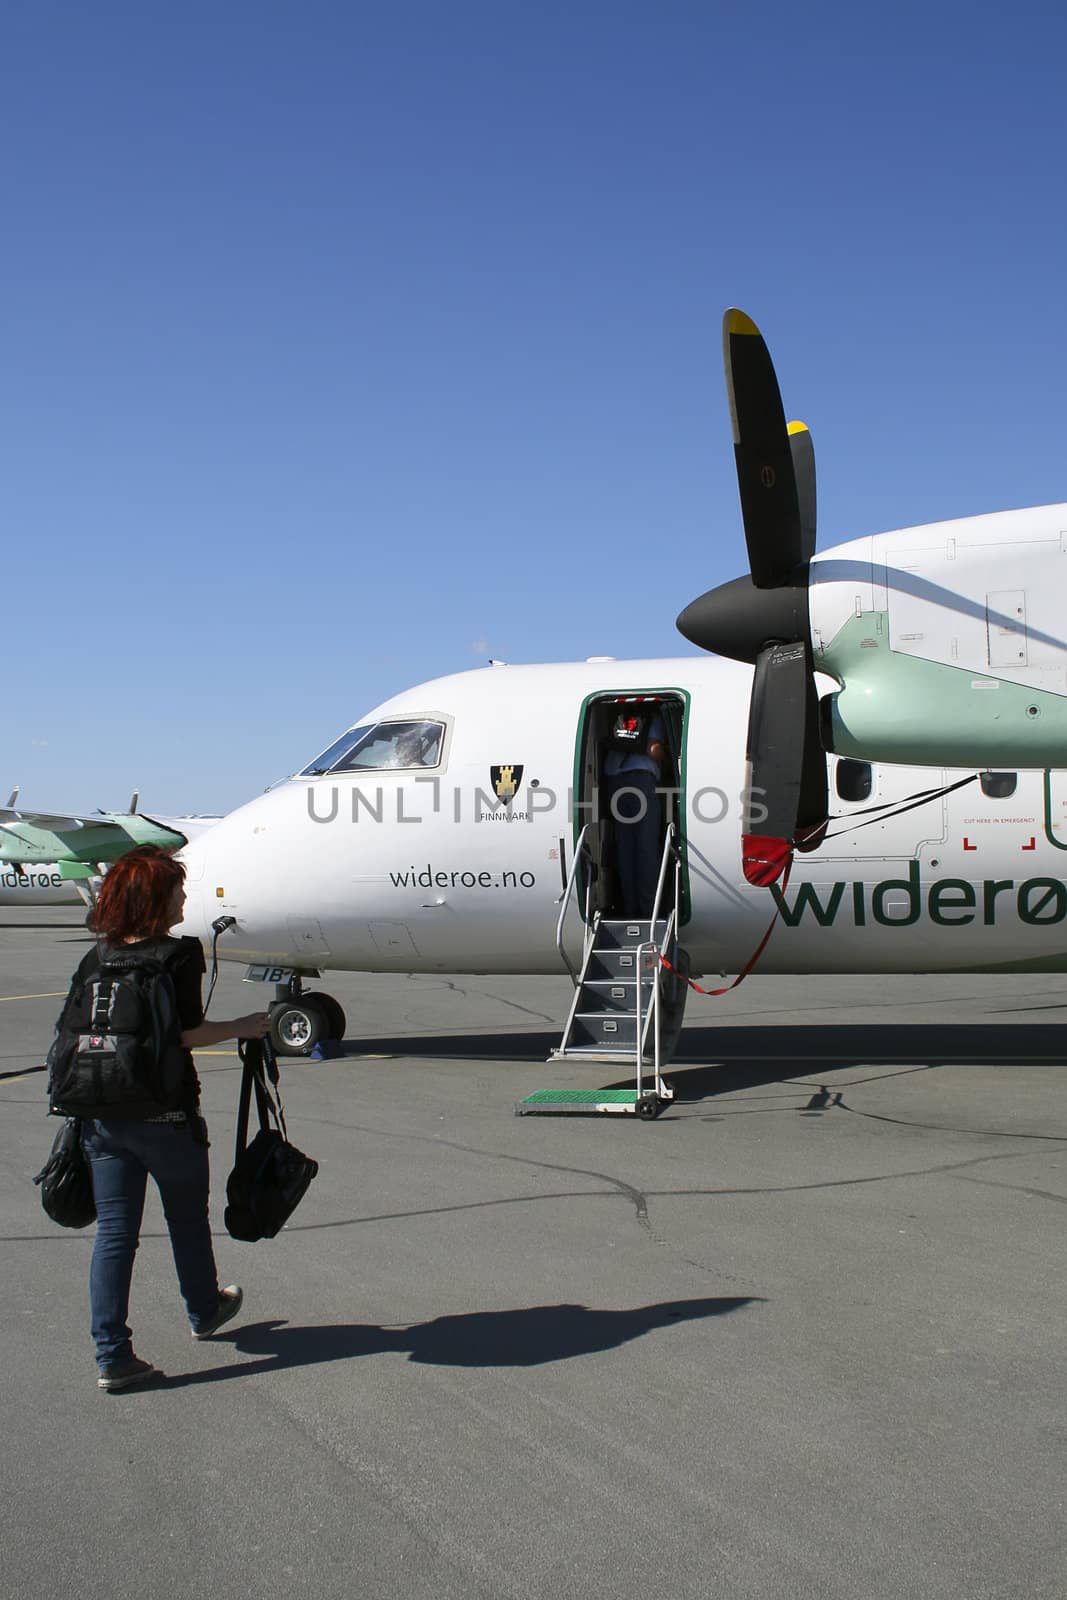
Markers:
<point>803,452</point>
<point>775,759</point>
<point>766,478</point>
<point>765,618</point>
<point>813,809</point>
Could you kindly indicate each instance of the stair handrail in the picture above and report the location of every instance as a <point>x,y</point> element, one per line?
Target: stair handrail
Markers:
<point>656,951</point>
<point>581,847</point>
<point>670,849</point>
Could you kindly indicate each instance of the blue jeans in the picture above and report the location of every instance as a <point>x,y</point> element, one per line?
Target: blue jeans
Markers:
<point>121,1156</point>
<point>634,807</point>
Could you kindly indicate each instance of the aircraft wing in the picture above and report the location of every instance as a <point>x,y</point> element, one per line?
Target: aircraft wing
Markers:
<point>40,819</point>
<point>29,836</point>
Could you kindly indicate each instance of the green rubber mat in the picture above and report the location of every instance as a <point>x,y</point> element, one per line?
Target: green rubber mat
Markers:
<point>577,1100</point>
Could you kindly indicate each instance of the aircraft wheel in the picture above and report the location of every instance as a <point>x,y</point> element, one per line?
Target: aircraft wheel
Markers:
<point>296,1027</point>
<point>332,1010</point>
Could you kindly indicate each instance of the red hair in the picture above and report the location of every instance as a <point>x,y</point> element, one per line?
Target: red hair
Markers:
<point>135,896</point>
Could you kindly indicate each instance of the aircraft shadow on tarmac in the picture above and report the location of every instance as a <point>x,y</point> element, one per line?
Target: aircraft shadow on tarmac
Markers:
<point>723,1060</point>
<point>714,1061</point>
<point>527,1337</point>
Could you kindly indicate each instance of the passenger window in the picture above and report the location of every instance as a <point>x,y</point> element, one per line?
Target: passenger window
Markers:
<point>853,780</point>
<point>998,785</point>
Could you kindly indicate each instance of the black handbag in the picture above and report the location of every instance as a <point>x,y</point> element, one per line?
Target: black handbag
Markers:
<point>66,1181</point>
<point>270,1176</point>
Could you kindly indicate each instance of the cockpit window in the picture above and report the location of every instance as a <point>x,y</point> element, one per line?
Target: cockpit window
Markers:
<point>382,745</point>
<point>335,751</point>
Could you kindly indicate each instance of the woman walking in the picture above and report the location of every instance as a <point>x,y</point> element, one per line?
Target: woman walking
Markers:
<point>140,900</point>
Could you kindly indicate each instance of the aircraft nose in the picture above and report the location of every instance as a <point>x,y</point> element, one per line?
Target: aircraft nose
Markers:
<point>195,920</point>
<point>235,869</point>
<point>221,881</point>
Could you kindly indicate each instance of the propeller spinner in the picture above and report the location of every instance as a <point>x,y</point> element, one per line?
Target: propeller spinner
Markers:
<point>764,618</point>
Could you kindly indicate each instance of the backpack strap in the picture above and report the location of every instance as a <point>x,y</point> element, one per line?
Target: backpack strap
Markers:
<point>89,963</point>
<point>158,953</point>
<point>100,1017</point>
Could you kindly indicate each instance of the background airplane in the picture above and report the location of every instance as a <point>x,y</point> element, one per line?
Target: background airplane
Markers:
<point>47,858</point>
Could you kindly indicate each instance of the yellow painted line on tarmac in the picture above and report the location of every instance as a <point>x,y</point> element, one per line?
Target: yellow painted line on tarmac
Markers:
<point>362,1056</point>
<point>50,994</point>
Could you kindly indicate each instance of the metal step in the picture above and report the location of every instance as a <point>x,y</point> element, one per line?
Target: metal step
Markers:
<point>626,934</point>
<point>617,1031</point>
<point>614,994</point>
<point>612,963</point>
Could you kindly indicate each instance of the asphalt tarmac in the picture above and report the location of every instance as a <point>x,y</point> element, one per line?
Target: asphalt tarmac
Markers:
<point>803,1335</point>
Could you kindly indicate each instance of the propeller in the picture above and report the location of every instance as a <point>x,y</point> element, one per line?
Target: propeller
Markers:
<point>764,618</point>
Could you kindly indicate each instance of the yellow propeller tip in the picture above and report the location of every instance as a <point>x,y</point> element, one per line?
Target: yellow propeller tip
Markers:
<point>737,322</point>
<point>798,427</point>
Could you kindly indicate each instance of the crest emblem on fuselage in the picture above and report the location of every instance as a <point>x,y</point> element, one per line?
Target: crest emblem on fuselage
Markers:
<point>505,781</point>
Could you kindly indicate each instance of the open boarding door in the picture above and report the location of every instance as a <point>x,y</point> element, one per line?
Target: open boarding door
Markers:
<point>594,824</point>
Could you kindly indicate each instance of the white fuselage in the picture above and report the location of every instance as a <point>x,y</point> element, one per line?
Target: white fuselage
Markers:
<point>397,870</point>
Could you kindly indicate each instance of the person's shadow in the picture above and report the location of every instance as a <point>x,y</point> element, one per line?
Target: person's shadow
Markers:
<point>529,1337</point>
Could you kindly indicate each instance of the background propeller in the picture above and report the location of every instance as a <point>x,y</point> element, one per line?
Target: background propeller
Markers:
<point>764,618</point>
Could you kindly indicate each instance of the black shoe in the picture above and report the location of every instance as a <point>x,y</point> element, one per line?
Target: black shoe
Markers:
<point>229,1305</point>
<point>124,1373</point>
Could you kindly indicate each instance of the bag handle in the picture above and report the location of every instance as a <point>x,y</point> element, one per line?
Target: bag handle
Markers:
<point>259,1066</point>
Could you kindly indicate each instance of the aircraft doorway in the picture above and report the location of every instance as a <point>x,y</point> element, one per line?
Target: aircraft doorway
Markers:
<point>620,785</point>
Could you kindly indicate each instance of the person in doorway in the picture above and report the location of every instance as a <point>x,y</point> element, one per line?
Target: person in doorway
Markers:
<point>141,898</point>
<point>637,749</point>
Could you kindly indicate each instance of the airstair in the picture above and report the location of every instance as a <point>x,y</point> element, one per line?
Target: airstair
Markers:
<point>628,1006</point>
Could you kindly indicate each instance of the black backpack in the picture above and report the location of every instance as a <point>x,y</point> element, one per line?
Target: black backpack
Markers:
<point>117,1050</point>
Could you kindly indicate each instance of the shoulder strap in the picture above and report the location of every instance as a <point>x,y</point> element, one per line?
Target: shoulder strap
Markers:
<point>89,962</point>
<point>147,952</point>
<point>157,952</point>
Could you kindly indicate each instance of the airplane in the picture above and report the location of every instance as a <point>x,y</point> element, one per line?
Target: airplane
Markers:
<point>864,763</point>
<point>52,859</point>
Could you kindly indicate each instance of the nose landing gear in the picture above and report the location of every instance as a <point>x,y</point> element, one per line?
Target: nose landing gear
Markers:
<point>298,1021</point>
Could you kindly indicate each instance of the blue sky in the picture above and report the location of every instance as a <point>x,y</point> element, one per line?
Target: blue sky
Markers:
<point>347,345</point>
